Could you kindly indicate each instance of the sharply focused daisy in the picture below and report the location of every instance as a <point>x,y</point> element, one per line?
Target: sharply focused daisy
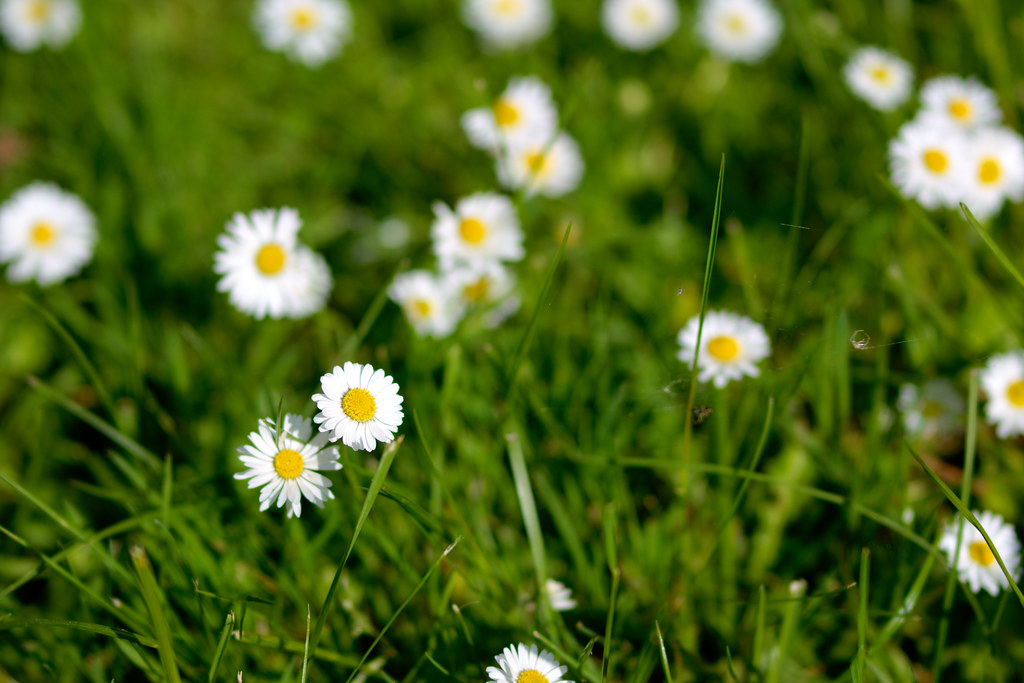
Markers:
<point>525,108</point>
<point>931,412</point>
<point>995,170</point>
<point>46,234</point>
<point>1002,379</point>
<point>359,405</point>
<point>975,563</point>
<point>928,161</point>
<point>308,31</point>
<point>429,302</point>
<point>740,30</point>
<point>266,272</point>
<point>285,463</point>
<point>964,102</point>
<point>731,345</point>
<point>505,24</point>
<point>482,227</point>
<point>538,166</point>
<point>28,24</point>
<point>485,285</point>
<point>521,664</point>
<point>559,595</point>
<point>639,24</point>
<point>880,78</point>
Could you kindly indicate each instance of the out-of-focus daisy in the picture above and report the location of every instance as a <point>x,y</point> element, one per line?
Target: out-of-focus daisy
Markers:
<point>504,24</point>
<point>359,405</point>
<point>932,412</point>
<point>1002,378</point>
<point>525,108</point>
<point>285,463</point>
<point>483,227</point>
<point>995,170</point>
<point>731,345</point>
<point>46,234</point>
<point>308,31</point>
<point>538,166</point>
<point>739,30</point>
<point>928,160</point>
<point>428,301</point>
<point>880,78</point>
<point>28,24</point>
<point>964,102</point>
<point>975,563</point>
<point>488,285</point>
<point>639,24</point>
<point>559,595</point>
<point>521,664</point>
<point>266,272</point>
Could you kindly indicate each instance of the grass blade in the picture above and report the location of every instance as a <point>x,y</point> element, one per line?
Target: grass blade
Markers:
<point>222,645</point>
<point>99,629</point>
<point>153,598</point>
<point>1000,255</point>
<point>611,552</point>
<point>531,521</point>
<point>857,668</point>
<point>664,655</point>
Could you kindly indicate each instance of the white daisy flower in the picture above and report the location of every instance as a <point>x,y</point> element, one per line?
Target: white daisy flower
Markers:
<point>639,24</point>
<point>504,24</point>
<point>266,271</point>
<point>964,102</point>
<point>559,595</point>
<point>928,159</point>
<point>995,170</point>
<point>285,463</point>
<point>524,109</point>
<point>488,285</point>
<point>932,412</point>
<point>880,78</point>
<point>430,305</point>
<point>308,31</point>
<point>360,406</point>
<point>1002,378</point>
<point>525,665</point>
<point>975,563</point>
<point>46,234</point>
<point>483,227</point>
<point>739,30</point>
<point>538,166</point>
<point>731,345</point>
<point>28,24</point>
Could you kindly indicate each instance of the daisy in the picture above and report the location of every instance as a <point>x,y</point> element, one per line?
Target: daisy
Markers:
<point>880,78</point>
<point>308,31</point>
<point>525,665</point>
<point>639,24</point>
<point>975,563</point>
<point>928,161</point>
<point>483,227</point>
<point>964,102</point>
<point>430,304</point>
<point>539,166</point>
<point>740,30</point>
<point>995,170</point>
<point>360,406</point>
<point>731,345</point>
<point>505,24</point>
<point>932,412</point>
<point>28,24</point>
<point>265,270</point>
<point>1002,378</point>
<point>559,596</point>
<point>488,285</point>
<point>46,234</point>
<point>524,109</point>
<point>285,463</point>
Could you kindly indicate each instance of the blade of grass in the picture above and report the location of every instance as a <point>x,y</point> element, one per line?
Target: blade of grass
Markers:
<point>759,631</point>
<point>531,521</point>
<point>1000,255</point>
<point>897,620</point>
<point>222,645</point>
<point>857,667</point>
<point>305,647</point>
<point>153,598</point>
<point>374,309</point>
<point>789,620</point>
<point>797,216</point>
<point>664,655</point>
<point>611,551</point>
<point>98,629</point>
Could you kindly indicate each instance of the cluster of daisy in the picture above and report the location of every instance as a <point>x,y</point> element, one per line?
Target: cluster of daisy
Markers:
<point>307,31</point>
<point>731,346</point>
<point>955,151</point>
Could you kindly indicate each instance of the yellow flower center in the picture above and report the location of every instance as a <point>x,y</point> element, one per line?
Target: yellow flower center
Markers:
<point>960,109</point>
<point>473,230</point>
<point>505,114</point>
<point>881,74</point>
<point>538,163</point>
<point>1015,392</point>
<point>989,171</point>
<point>531,676</point>
<point>723,348</point>
<point>270,259</point>
<point>303,18</point>
<point>508,8</point>
<point>981,553</point>
<point>735,24</point>
<point>37,11</point>
<point>421,307</point>
<point>477,291</point>
<point>288,463</point>
<point>359,404</point>
<point>43,234</point>
<point>936,160</point>
<point>640,15</point>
